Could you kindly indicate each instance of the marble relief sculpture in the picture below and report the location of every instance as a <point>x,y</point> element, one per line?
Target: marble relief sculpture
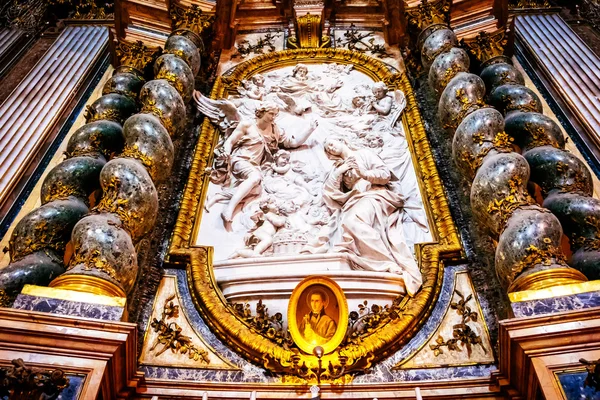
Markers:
<point>312,160</point>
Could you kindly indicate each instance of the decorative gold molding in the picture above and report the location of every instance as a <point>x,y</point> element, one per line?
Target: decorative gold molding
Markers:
<point>87,284</point>
<point>71,295</point>
<point>546,279</point>
<point>384,340</point>
<point>555,291</point>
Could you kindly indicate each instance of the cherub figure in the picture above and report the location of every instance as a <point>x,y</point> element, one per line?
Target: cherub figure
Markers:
<point>253,88</point>
<point>268,219</point>
<point>283,166</point>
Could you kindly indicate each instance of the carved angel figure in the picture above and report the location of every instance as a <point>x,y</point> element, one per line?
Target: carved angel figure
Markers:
<point>245,150</point>
<point>386,105</point>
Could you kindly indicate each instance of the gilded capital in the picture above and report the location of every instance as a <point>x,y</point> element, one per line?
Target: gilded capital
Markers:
<point>428,13</point>
<point>135,55</point>
<point>191,19</point>
<point>487,46</point>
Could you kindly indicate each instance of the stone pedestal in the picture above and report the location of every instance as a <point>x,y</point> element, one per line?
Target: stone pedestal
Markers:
<point>273,279</point>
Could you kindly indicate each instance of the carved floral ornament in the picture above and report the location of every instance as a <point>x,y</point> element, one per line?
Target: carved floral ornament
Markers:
<point>404,317</point>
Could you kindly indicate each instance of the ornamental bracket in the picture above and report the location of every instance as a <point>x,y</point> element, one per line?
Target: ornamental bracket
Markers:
<point>310,29</point>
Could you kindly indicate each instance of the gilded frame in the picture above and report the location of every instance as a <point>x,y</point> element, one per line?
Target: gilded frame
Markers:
<point>293,309</point>
<point>409,314</point>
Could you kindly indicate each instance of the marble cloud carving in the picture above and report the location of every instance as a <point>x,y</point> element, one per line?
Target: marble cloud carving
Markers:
<point>313,161</point>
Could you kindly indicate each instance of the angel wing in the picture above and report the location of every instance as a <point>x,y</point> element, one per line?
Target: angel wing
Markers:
<point>398,108</point>
<point>292,106</point>
<point>222,113</point>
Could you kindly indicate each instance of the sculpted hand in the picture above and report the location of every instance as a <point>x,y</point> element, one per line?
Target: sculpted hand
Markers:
<point>314,124</point>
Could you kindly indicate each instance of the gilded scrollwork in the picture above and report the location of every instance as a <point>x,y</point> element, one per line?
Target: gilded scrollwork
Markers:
<point>391,333</point>
<point>5,300</point>
<point>270,326</point>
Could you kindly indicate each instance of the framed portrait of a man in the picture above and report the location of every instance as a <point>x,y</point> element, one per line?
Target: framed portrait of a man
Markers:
<point>317,314</point>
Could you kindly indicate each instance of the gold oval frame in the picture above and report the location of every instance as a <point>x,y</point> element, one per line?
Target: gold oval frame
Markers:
<point>411,312</point>
<point>342,325</point>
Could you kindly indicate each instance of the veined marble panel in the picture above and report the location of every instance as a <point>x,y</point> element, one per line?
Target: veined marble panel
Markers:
<point>553,305</point>
<point>67,307</point>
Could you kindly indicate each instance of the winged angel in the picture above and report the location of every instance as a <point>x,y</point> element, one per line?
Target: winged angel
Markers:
<point>247,144</point>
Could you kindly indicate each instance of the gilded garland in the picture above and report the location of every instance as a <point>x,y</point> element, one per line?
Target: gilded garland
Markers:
<point>402,319</point>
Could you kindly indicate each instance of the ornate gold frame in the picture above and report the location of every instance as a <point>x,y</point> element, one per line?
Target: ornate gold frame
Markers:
<point>409,314</point>
<point>340,332</point>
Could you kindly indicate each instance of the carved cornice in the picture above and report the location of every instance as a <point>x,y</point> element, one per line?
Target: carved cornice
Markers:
<point>556,342</point>
<point>104,352</point>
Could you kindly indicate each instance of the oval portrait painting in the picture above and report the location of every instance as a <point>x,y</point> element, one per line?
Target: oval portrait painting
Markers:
<point>317,314</point>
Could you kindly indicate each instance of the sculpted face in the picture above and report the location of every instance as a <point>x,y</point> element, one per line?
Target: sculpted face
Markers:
<point>316,303</point>
<point>333,147</point>
<point>301,72</point>
<point>270,115</point>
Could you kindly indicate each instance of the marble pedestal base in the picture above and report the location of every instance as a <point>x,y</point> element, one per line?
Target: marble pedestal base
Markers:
<point>272,280</point>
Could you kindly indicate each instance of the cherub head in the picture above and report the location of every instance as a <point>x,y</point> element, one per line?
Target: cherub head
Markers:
<point>379,90</point>
<point>374,140</point>
<point>258,80</point>
<point>300,71</point>
<point>268,204</point>
<point>267,110</point>
<point>334,147</point>
<point>282,158</point>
